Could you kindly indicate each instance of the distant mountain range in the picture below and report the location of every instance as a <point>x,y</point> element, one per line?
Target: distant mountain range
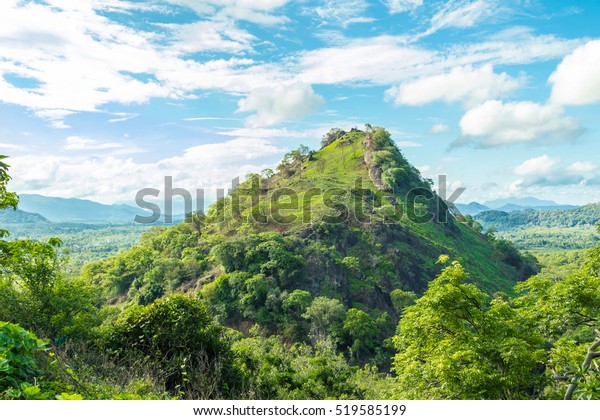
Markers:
<point>57,209</point>
<point>35,208</point>
<point>511,204</point>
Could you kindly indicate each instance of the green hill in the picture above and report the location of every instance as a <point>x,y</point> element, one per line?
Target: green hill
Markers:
<point>353,221</point>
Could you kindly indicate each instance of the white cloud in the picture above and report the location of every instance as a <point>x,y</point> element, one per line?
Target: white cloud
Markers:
<point>84,143</point>
<point>255,11</point>
<point>544,172</point>
<point>392,60</point>
<point>495,123</point>
<point>9,146</point>
<point>55,117</point>
<point>576,80</point>
<point>82,60</point>
<point>468,84</point>
<point>464,14</point>
<point>541,165</point>
<point>110,179</point>
<point>278,103</point>
<point>211,36</point>
<point>582,167</point>
<point>439,129</point>
<point>342,12</point>
<point>401,6</point>
<point>122,116</point>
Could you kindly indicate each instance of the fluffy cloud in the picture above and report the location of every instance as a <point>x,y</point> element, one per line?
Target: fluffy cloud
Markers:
<point>81,60</point>
<point>472,85</point>
<point>439,129</point>
<point>545,171</point>
<point>540,165</point>
<point>576,80</point>
<point>278,103</point>
<point>495,123</point>
<point>580,167</point>
<point>401,6</point>
<point>108,179</point>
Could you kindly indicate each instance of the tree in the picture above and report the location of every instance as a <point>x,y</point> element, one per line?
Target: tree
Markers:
<point>7,199</point>
<point>566,310</point>
<point>326,318</point>
<point>176,337</point>
<point>402,299</point>
<point>585,368</point>
<point>296,302</point>
<point>362,329</point>
<point>454,343</point>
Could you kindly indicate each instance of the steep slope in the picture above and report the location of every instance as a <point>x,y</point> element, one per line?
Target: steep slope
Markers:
<point>353,221</point>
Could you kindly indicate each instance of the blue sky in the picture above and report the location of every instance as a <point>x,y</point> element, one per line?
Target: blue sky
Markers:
<point>100,98</point>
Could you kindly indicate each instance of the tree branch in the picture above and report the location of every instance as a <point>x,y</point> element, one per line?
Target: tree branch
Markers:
<point>591,355</point>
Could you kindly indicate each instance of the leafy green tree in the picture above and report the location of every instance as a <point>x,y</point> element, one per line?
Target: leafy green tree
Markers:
<point>276,371</point>
<point>566,309</point>
<point>454,343</point>
<point>296,302</point>
<point>176,337</point>
<point>326,318</point>
<point>7,199</point>
<point>362,330</point>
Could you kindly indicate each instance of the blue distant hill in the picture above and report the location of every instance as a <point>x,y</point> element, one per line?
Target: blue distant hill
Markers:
<point>511,204</point>
<point>57,209</point>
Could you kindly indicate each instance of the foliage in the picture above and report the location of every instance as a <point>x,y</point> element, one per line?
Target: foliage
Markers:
<point>7,199</point>
<point>176,337</point>
<point>300,372</point>
<point>18,367</point>
<point>546,229</point>
<point>454,343</point>
<point>36,295</point>
<point>326,318</point>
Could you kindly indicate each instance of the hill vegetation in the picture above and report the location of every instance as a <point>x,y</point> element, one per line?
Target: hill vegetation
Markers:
<point>546,229</point>
<point>339,275</point>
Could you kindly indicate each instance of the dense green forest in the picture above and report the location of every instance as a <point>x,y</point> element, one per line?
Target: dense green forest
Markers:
<point>82,243</point>
<point>341,275</point>
<point>546,229</point>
